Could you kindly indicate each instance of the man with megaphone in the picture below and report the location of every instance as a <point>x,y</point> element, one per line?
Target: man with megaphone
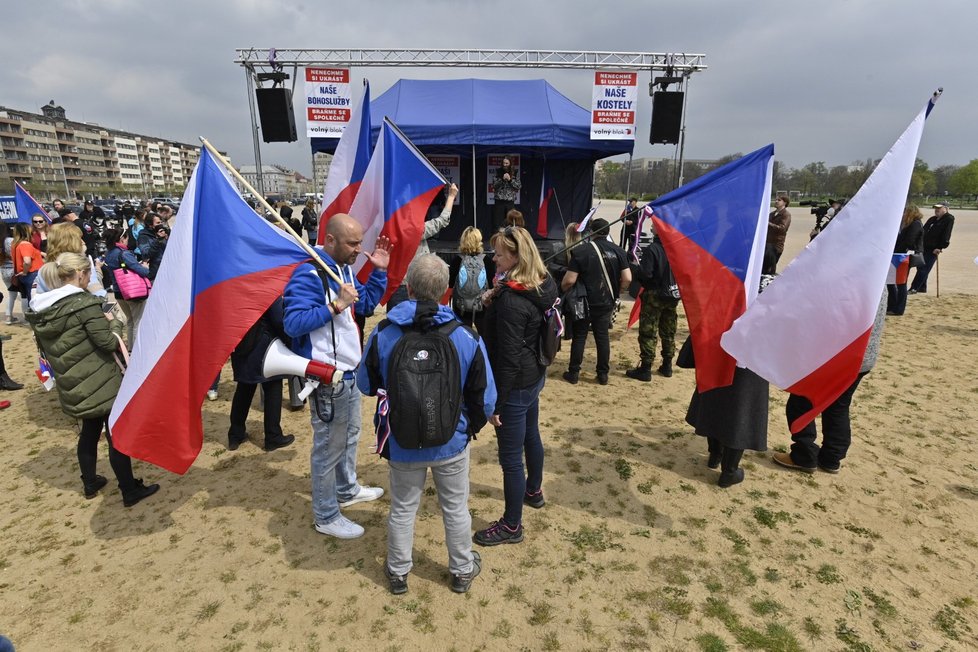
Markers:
<point>319,317</point>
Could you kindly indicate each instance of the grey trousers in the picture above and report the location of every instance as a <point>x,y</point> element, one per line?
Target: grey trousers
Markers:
<point>407,480</point>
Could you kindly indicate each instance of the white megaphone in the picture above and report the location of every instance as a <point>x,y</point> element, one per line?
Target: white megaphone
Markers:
<point>279,361</point>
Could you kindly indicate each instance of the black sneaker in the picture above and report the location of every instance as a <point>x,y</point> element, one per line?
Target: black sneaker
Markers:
<point>234,442</point>
<point>571,376</point>
<point>535,501</point>
<point>92,488</point>
<point>462,582</point>
<point>138,492</point>
<point>398,583</point>
<point>498,533</point>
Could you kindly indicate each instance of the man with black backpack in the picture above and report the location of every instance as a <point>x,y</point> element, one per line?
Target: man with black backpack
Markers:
<point>436,391</point>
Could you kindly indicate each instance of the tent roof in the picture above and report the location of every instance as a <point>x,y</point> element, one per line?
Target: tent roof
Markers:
<point>455,114</point>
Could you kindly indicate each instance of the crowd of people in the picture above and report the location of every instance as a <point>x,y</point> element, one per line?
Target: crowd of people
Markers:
<point>441,373</point>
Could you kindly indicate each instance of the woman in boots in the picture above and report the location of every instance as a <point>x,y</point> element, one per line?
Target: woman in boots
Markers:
<point>79,341</point>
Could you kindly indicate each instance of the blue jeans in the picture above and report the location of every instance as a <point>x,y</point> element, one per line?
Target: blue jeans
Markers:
<point>519,435</point>
<point>335,433</point>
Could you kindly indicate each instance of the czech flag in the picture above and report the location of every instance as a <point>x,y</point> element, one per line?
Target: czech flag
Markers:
<point>44,373</point>
<point>807,333</point>
<point>899,269</point>
<point>26,205</point>
<point>348,166</point>
<point>714,230</point>
<point>397,189</point>
<point>224,266</point>
<point>546,192</point>
<point>582,227</point>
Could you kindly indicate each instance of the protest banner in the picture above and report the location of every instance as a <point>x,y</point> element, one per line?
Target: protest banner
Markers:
<point>327,101</point>
<point>613,103</point>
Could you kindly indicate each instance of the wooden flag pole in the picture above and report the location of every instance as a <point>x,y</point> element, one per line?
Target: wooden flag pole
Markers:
<point>278,218</point>
<point>938,263</point>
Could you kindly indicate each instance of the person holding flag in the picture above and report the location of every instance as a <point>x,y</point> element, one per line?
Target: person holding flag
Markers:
<point>319,317</point>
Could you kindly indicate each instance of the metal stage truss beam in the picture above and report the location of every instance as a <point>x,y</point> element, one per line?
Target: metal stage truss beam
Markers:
<point>677,62</point>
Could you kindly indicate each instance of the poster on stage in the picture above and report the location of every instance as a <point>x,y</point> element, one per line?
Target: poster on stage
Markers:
<point>493,163</point>
<point>328,102</point>
<point>450,168</point>
<point>614,98</point>
<point>8,209</point>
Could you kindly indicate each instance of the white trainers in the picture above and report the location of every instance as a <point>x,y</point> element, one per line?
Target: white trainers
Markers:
<point>366,494</point>
<point>212,395</point>
<point>341,528</point>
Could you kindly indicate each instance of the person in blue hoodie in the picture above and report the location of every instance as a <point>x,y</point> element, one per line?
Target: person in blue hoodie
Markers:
<point>319,318</point>
<point>427,281</point>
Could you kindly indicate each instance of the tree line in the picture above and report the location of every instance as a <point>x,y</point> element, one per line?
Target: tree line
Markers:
<point>814,180</point>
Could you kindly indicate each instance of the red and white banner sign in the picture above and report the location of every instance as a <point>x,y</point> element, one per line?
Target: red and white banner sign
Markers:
<point>613,105</point>
<point>451,169</point>
<point>328,102</point>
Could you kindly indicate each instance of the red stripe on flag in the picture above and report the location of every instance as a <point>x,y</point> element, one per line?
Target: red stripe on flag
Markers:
<point>636,310</point>
<point>341,204</point>
<point>161,424</point>
<point>827,383</point>
<point>543,219</point>
<point>903,271</point>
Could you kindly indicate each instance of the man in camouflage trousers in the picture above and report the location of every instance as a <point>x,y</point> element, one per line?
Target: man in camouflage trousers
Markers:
<point>658,318</point>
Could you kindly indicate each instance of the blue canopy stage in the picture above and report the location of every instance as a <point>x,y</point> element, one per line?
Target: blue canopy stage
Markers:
<point>473,118</point>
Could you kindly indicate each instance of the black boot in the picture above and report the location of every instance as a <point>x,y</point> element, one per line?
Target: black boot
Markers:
<point>94,485</point>
<point>279,441</point>
<point>665,369</point>
<point>716,453</point>
<point>137,491</point>
<point>642,372</point>
<point>6,382</point>
<point>730,471</point>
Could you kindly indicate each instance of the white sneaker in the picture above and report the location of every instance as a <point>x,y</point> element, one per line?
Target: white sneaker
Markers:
<point>341,528</point>
<point>366,494</point>
<point>212,395</point>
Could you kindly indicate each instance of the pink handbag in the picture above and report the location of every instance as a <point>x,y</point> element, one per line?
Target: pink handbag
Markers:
<point>132,286</point>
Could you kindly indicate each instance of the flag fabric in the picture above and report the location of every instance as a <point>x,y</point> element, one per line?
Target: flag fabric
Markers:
<point>26,205</point>
<point>397,189</point>
<point>808,332</point>
<point>714,230</point>
<point>44,373</point>
<point>348,166</point>
<point>899,269</point>
<point>636,312</point>
<point>224,266</point>
<point>546,192</point>
<point>643,217</point>
<point>587,219</point>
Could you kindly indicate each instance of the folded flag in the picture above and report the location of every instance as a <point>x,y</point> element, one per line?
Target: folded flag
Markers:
<point>398,187</point>
<point>899,269</point>
<point>644,216</point>
<point>807,333</point>
<point>223,267</point>
<point>348,166</point>
<point>636,312</point>
<point>582,227</point>
<point>26,205</point>
<point>44,373</point>
<point>714,230</point>
<point>546,192</point>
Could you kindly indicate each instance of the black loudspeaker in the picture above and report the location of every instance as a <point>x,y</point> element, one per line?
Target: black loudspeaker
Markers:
<point>275,112</point>
<point>667,117</point>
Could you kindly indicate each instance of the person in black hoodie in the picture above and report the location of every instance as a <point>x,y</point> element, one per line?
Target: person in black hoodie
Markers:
<point>516,305</point>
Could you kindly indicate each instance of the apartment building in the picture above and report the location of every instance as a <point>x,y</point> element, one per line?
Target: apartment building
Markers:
<point>54,156</point>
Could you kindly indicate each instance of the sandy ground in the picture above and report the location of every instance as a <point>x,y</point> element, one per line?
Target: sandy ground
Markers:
<point>636,549</point>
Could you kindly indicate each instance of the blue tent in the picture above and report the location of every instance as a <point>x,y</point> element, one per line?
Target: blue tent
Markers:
<point>471,118</point>
<point>522,116</point>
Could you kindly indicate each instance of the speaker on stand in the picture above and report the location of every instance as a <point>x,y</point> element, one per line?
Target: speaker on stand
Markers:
<point>667,117</point>
<point>276,115</point>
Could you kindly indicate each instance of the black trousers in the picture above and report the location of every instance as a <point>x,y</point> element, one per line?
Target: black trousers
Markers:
<point>729,457</point>
<point>771,258</point>
<point>836,430</point>
<point>241,405</point>
<point>598,322</point>
<point>91,432</point>
<point>499,210</point>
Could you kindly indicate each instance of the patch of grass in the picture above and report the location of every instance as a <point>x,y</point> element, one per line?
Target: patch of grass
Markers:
<point>208,611</point>
<point>828,574</point>
<point>863,532</point>
<point>502,629</point>
<point>594,539</point>
<point>882,606</point>
<point>550,641</point>
<point>765,606</point>
<point>740,544</point>
<point>812,629</point>
<point>711,643</point>
<point>774,638</point>
<point>514,593</point>
<point>541,613</point>
<point>624,468</point>
<point>770,519</point>
<point>850,637</point>
<point>951,623</point>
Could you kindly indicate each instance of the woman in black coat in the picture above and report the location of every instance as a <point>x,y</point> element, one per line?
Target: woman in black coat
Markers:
<point>910,239</point>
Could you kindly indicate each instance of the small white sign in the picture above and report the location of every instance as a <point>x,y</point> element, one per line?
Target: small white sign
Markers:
<point>613,105</point>
<point>328,102</point>
<point>451,169</point>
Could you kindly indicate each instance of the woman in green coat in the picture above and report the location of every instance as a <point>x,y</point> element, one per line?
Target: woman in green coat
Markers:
<point>79,340</point>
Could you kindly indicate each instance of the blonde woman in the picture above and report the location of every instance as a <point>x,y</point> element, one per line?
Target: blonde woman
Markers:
<point>79,341</point>
<point>524,290</point>
<point>65,237</point>
<point>469,278</point>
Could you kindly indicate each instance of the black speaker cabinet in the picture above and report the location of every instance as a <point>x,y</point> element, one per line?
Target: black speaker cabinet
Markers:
<point>275,113</point>
<point>667,117</point>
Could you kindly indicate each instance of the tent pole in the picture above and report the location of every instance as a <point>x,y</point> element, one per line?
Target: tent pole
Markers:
<point>628,192</point>
<point>259,179</point>
<point>475,193</point>
<point>682,136</point>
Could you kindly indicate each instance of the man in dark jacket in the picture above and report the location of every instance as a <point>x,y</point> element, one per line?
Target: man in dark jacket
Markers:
<point>603,283</point>
<point>778,223</point>
<point>658,316</point>
<point>427,281</point>
<point>937,238</point>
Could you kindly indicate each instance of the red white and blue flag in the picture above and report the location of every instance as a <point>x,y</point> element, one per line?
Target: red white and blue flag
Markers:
<point>349,164</point>
<point>714,230</point>
<point>582,227</point>
<point>397,189</point>
<point>44,373</point>
<point>899,269</point>
<point>641,219</point>
<point>808,332</point>
<point>26,205</point>
<point>224,266</point>
<point>546,192</point>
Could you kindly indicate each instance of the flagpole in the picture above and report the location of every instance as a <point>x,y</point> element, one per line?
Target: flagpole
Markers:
<point>415,149</point>
<point>268,207</point>
<point>938,262</point>
<point>587,238</point>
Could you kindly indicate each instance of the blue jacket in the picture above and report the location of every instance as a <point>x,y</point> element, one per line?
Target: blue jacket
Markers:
<point>478,386</point>
<point>307,313</point>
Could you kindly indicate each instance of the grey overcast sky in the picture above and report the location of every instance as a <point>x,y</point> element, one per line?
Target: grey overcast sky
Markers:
<point>834,81</point>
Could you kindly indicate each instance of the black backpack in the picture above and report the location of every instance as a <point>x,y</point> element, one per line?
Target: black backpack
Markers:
<point>551,334</point>
<point>424,386</point>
